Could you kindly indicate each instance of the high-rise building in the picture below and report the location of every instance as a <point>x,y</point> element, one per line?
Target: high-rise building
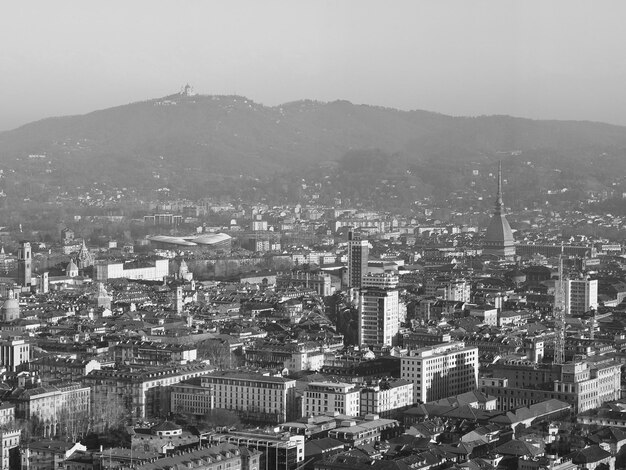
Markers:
<point>378,316</point>
<point>358,252</point>
<point>499,239</point>
<point>441,371</point>
<point>24,261</point>
<point>581,295</point>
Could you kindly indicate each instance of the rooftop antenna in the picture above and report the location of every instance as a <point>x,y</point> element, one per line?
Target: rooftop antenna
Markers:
<point>559,315</point>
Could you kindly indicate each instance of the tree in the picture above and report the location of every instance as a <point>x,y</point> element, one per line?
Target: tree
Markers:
<point>219,417</point>
<point>108,412</point>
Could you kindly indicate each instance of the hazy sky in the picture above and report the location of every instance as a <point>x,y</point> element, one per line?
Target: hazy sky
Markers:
<point>562,59</point>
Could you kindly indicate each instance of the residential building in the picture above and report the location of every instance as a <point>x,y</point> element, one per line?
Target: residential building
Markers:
<point>153,353</point>
<point>48,454</point>
<point>51,369</point>
<point>583,384</point>
<point>218,457</point>
<point>581,295</point>
<point>320,283</point>
<point>327,397</point>
<point>378,316</point>
<point>143,390</point>
<point>486,313</point>
<point>53,407</point>
<point>385,398</point>
<point>9,452</point>
<point>192,397</point>
<point>255,396</point>
<point>441,371</point>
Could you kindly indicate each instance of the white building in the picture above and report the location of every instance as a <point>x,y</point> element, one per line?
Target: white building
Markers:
<point>486,313</point>
<point>441,371</point>
<point>581,295</point>
<point>257,396</point>
<point>381,280</point>
<point>384,398</point>
<point>154,271</point>
<point>327,397</point>
<point>378,316</point>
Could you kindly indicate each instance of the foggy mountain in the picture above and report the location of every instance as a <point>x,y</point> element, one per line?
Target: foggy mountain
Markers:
<point>196,141</point>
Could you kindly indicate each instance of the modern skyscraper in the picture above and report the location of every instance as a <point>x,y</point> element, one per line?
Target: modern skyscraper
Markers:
<point>24,261</point>
<point>581,295</point>
<point>499,239</point>
<point>378,316</point>
<point>358,251</point>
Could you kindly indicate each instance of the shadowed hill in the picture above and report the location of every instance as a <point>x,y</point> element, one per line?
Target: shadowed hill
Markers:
<point>191,141</point>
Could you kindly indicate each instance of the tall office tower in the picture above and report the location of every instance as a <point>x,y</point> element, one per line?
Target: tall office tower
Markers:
<point>581,295</point>
<point>24,261</point>
<point>441,371</point>
<point>358,251</point>
<point>378,316</point>
<point>499,239</point>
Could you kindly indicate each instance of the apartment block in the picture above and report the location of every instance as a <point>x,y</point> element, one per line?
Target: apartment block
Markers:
<point>324,397</point>
<point>256,397</point>
<point>386,397</point>
<point>441,371</point>
<point>142,390</point>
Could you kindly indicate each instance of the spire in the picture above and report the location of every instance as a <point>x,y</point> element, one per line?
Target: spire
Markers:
<point>499,202</point>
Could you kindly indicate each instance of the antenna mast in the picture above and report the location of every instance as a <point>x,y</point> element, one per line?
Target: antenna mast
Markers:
<point>559,315</point>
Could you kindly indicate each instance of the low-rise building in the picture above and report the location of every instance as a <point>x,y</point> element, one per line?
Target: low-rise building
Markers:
<point>153,353</point>
<point>278,450</point>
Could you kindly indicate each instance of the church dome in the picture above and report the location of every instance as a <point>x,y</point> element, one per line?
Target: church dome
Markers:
<point>10,310</point>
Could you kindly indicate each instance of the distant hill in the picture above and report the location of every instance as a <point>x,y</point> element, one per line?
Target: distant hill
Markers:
<point>196,141</point>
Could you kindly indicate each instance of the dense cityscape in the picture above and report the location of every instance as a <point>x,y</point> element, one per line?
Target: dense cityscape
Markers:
<point>196,334</point>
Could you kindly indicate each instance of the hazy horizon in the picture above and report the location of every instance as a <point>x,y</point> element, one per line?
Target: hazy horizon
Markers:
<point>533,59</point>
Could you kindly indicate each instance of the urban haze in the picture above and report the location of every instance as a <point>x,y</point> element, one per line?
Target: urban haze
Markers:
<point>313,235</point>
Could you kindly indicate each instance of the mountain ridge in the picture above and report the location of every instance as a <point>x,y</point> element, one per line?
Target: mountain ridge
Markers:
<point>181,140</point>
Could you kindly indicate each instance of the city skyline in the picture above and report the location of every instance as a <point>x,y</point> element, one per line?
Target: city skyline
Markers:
<point>539,60</point>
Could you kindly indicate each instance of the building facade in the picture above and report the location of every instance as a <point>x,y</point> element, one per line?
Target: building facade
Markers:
<point>328,397</point>
<point>441,371</point>
<point>142,391</point>
<point>378,316</point>
<point>358,254</point>
<point>256,397</point>
<point>386,398</point>
<point>581,295</point>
